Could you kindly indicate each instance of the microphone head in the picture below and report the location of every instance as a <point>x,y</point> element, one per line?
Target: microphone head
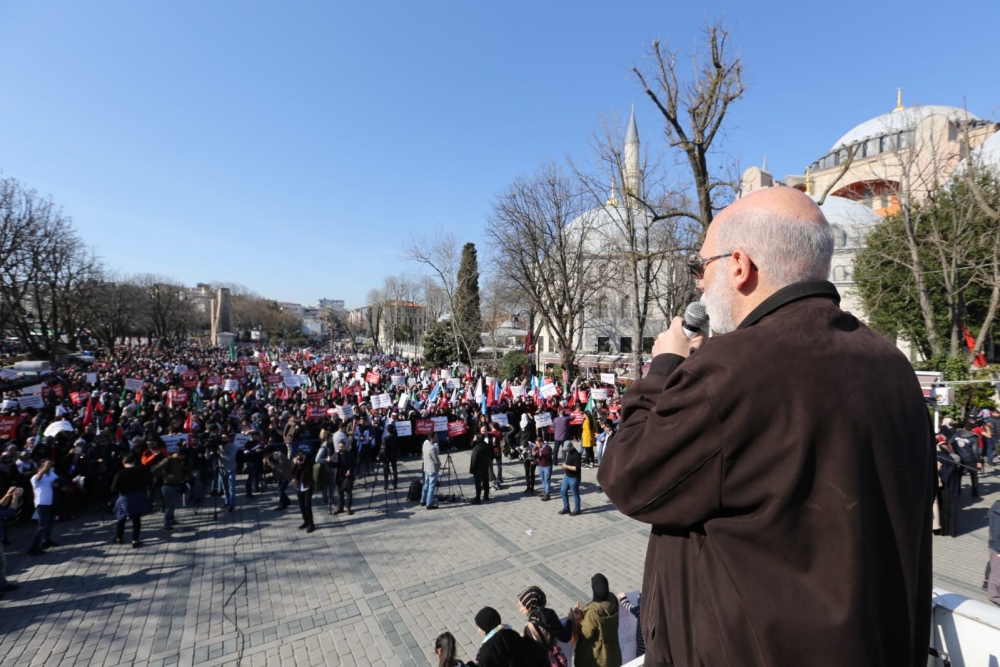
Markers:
<point>695,316</point>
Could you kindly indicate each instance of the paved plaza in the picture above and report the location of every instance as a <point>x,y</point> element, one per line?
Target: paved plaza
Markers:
<point>250,589</point>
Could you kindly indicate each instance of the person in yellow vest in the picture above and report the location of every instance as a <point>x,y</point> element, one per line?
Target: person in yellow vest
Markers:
<point>589,441</point>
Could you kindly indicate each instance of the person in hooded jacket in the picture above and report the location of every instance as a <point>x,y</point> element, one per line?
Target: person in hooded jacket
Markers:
<point>502,646</point>
<point>543,626</point>
<point>598,628</point>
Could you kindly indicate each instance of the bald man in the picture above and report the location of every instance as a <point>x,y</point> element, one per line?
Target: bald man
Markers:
<point>786,466</point>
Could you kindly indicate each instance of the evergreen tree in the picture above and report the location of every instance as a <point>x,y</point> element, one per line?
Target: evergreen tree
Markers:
<point>468,321</point>
<point>439,346</point>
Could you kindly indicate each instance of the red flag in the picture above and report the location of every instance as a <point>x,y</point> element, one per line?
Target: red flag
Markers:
<point>489,394</point>
<point>107,420</point>
<point>88,416</point>
<point>187,423</point>
<point>529,345</point>
<point>286,394</point>
<point>980,360</point>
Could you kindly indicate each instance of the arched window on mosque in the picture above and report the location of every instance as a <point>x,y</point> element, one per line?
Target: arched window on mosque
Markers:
<point>839,274</point>
<point>602,306</point>
<point>624,311</point>
<point>839,237</point>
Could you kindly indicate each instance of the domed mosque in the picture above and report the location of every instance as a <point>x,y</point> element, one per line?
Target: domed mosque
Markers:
<point>868,170</point>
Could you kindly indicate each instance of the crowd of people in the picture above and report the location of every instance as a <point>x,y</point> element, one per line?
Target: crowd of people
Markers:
<point>140,431</point>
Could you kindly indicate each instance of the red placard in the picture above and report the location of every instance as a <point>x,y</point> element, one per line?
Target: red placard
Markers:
<point>315,412</point>
<point>203,370</point>
<point>423,427</point>
<point>213,381</point>
<point>274,379</point>
<point>576,417</point>
<point>314,395</point>
<point>373,378</point>
<point>189,380</point>
<point>240,373</point>
<point>457,428</point>
<point>79,397</point>
<point>8,426</point>
<point>178,397</point>
<point>582,395</point>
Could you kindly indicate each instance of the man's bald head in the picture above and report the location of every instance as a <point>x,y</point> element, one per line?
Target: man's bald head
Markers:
<point>783,232</point>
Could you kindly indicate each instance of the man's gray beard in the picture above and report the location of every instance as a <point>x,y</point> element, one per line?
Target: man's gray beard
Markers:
<point>718,300</point>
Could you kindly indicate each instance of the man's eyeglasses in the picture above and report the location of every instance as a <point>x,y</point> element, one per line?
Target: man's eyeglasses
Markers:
<point>697,265</point>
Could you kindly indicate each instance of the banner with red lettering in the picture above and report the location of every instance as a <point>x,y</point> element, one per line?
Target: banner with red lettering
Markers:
<point>240,373</point>
<point>423,427</point>
<point>456,428</point>
<point>373,378</point>
<point>8,426</point>
<point>189,380</point>
<point>213,381</point>
<point>576,417</point>
<point>314,395</point>
<point>178,397</point>
<point>79,397</point>
<point>274,379</point>
<point>315,412</point>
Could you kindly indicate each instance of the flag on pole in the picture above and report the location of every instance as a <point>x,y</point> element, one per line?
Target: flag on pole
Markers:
<point>232,351</point>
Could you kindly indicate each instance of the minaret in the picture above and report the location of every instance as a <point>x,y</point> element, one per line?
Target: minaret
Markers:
<point>633,172</point>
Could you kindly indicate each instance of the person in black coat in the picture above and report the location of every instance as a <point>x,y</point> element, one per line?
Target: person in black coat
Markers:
<point>347,462</point>
<point>131,483</point>
<point>504,647</point>
<point>479,465</point>
<point>302,478</point>
<point>388,456</point>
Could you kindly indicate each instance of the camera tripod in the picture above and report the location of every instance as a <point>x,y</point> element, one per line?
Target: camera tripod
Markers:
<point>445,475</point>
<point>385,488</point>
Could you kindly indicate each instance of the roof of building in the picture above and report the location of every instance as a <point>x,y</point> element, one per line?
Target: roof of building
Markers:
<point>900,119</point>
<point>853,217</point>
<point>989,152</point>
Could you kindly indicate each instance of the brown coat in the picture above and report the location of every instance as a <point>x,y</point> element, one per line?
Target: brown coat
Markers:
<point>787,471</point>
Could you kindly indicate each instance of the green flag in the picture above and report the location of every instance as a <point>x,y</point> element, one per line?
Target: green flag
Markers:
<point>232,351</point>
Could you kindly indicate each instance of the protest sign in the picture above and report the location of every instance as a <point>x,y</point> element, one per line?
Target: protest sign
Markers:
<point>380,401</point>
<point>576,417</point>
<point>314,395</point>
<point>345,412</point>
<point>599,394</point>
<point>403,429</point>
<point>543,419</point>
<point>292,381</point>
<point>517,391</point>
<point>411,382</point>
<point>8,374</point>
<point>454,383</point>
<point>274,379</point>
<point>213,381</point>
<point>91,378</point>
<point>174,442</point>
<point>403,398</point>
<point>32,401</point>
<point>608,378</point>
<point>56,389</point>
<point>373,378</point>
<point>549,390</point>
<point>180,368</point>
<point>239,373</point>
<point>8,426</point>
<point>457,428</point>
<point>79,397</point>
<point>315,412</point>
<point>189,380</point>
<point>303,447</point>
<point>231,385</point>
<point>253,369</point>
<point>177,397</point>
<point>500,419</point>
<point>424,426</point>
<point>8,404</point>
<point>33,389</point>
<point>440,424</point>
<point>444,374</point>
<point>398,380</point>
<point>581,395</point>
<point>241,440</point>
<point>133,384</point>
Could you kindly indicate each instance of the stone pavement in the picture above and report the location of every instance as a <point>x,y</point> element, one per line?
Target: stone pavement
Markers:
<point>250,589</point>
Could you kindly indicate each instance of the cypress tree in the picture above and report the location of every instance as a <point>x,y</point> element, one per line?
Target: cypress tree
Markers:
<point>468,320</point>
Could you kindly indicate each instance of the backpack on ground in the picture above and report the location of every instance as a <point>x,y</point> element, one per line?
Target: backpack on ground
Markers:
<point>416,490</point>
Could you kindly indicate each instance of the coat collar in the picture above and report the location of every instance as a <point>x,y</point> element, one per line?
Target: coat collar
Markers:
<point>786,295</point>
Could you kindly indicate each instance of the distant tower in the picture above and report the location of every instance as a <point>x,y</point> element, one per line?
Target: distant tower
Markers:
<point>633,170</point>
<point>223,329</point>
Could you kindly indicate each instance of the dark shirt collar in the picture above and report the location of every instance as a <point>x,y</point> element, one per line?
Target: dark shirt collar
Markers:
<point>786,295</point>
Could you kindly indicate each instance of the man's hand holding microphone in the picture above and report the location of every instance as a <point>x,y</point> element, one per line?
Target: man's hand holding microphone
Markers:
<point>686,334</point>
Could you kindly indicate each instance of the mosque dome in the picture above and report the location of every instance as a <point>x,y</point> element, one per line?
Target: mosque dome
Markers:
<point>900,119</point>
<point>601,226</point>
<point>989,152</point>
<point>850,220</point>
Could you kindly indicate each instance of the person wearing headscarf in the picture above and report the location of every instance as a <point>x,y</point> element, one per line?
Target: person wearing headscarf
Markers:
<point>543,626</point>
<point>598,628</point>
<point>503,647</point>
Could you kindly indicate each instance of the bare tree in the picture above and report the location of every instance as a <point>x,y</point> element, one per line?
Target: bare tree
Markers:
<point>112,309</point>
<point>694,109</point>
<point>558,267</point>
<point>168,316</point>
<point>374,309</point>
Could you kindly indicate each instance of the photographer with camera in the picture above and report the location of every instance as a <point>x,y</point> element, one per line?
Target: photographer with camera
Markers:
<point>302,477</point>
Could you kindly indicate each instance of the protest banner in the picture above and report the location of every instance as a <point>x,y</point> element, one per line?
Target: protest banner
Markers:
<point>133,384</point>
<point>444,374</point>
<point>177,397</point>
<point>180,369</point>
<point>549,390</point>
<point>517,391</point>
<point>380,401</point>
<point>314,396</point>
<point>608,378</point>
<point>231,384</point>
<point>274,379</point>
<point>8,404</point>
<point>241,440</point>
<point>174,442</point>
<point>373,378</point>
<point>398,380</point>
<point>33,389</point>
<point>500,419</point>
<point>543,419</point>
<point>315,412</point>
<point>8,426</point>
<point>599,394</point>
<point>403,399</point>
<point>581,395</point>
<point>403,429</point>
<point>454,383</point>
<point>189,380</point>
<point>79,397</point>
<point>213,381</point>
<point>239,373</point>
<point>410,382</point>
<point>576,417</point>
<point>253,369</point>
<point>91,378</point>
<point>424,426</point>
<point>8,374</point>
<point>292,381</point>
<point>440,424</point>
<point>345,411</point>
<point>32,401</point>
<point>457,428</point>
<point>56,389</point>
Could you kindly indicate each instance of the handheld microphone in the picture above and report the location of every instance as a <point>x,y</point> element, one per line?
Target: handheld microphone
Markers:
<point>695,318</point>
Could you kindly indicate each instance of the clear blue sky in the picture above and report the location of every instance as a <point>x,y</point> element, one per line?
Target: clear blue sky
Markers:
<point>294,146</point>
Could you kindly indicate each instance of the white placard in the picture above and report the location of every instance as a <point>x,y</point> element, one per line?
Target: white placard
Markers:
<point>444,374</point>
<point>240,440</point>
<point>231,385</point>
<point>9,374</point>
<point>345,411</point>
<point>403,399</point>
<point>287,372</point>
<point>381,401</point>
<point>398,380</point>
<point>253,369</point>
<point>608,378</point>
<point>517,391</point>
<point>292,381</point>
<point>440,424</point>
<point>599,394</point>
<point>33,401</point>
<point>403,428</point>
<point>180,368</point>
<point>500,419</point>
<point>8,404</point>
<point>33,389</point>
<point>549,390</point>
<point>133,384</point>
<point>174,442</point>
<point>361,369</point>
<point>543,419</point>
<point>91,378</point>
<point>411,382</point>
<point>454,383</point>
<point>339,367</point>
